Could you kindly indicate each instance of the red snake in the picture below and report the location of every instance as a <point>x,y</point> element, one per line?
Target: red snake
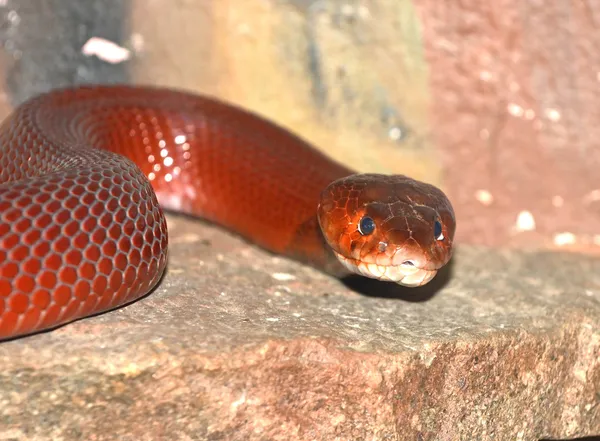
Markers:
<point>86,172</point>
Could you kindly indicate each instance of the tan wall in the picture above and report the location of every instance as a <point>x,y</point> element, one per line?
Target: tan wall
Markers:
<point>497,102</point>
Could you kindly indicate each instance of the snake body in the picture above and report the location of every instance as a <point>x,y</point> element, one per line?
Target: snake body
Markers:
<point>86,172</point>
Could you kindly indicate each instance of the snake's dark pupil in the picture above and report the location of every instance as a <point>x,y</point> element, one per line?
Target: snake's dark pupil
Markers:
<point>437,230</point>
<point>366,225</point>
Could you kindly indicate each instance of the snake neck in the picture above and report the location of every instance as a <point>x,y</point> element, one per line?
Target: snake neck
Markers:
<point>310,247</point>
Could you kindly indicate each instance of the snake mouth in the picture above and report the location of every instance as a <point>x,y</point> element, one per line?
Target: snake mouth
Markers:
<point>406,273</point>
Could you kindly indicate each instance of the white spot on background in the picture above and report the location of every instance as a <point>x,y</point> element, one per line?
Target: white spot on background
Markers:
<point>237,403</point>
<point>485,75</point>
<point>283,276</point>
<point>13,17</point>
<point>592,196</point>
<point>552,114</point>
<point>363,12</point>
<point>395,133</point>
<point>105,50</point>
<point>525,221</point>
<point>515,110</point>
<point>561,239</point>
<point>484,196</point>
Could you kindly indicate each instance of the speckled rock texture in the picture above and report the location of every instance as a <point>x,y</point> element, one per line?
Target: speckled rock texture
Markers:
<point>236,344</point>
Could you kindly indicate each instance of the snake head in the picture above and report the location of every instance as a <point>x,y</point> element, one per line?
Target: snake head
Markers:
<point>391,228</point>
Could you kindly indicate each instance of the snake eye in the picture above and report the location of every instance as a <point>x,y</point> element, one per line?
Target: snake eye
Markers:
<point>437,230</point>
<point>366,226</point>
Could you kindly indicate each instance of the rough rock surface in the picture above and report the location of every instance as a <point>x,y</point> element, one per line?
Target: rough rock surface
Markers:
<point>236,344</point>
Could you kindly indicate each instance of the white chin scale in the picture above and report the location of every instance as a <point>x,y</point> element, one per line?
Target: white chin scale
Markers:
<point>403,274</point>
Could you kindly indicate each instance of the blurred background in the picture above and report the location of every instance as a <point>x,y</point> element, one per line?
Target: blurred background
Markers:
<point>496,102</point>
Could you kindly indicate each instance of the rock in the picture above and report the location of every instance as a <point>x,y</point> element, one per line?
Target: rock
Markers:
<point>238,344</point>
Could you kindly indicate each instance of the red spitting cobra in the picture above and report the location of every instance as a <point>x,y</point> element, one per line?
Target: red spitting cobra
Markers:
<point>86,172</point>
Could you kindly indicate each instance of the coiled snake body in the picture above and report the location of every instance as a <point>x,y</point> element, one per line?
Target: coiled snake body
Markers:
<point>86,172</point>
